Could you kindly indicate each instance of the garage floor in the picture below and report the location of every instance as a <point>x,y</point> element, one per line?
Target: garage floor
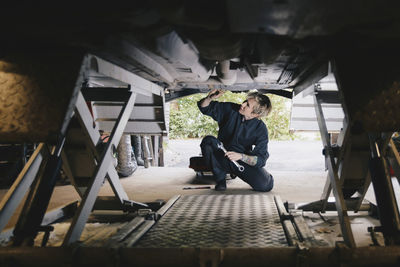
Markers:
<point>155,183</point>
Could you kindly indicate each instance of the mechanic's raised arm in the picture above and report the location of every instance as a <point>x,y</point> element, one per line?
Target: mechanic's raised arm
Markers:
<point>213,94</point>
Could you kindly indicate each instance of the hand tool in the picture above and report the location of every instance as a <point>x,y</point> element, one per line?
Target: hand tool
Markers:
<point>197,187</point>
<point>240,167</point>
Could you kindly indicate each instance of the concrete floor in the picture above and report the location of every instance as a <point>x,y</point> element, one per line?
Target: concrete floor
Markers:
<point>301,181</point>
<point>154,183</point>
<point>296,155</point>
<point>162,183</point>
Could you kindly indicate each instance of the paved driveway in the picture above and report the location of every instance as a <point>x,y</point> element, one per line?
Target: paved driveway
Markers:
<point>284,155</point>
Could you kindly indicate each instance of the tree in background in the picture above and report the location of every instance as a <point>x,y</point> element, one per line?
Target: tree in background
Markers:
<point>186,121</point>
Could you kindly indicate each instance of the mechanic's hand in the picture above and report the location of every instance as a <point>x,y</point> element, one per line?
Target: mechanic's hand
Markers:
<point>214,94</point>
<point>235,156</point>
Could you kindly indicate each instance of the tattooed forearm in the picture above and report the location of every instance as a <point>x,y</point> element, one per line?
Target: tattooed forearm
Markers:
<point>251,160</point>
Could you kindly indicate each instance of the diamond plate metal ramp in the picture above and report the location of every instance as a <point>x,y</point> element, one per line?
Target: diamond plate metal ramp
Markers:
<point>218,221</point>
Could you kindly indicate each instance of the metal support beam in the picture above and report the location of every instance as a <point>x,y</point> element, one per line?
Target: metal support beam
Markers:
<point>91,130</point>
<point>137,83</point>
<point>39,197</point>
<point>21,185</point>
<point>326,193</point>
<point>383,188</point>
<point>286,220</point>
<point>63,212</point>
<point>156,149</point>
<point>311,77</point>
<point>105,94</point>
<point>172,95</point>
<point>343,144</point>
<point>283,93</point>
<point>86,120</point>
<point>116,240</point>
<point>333,174</point>
<point>330,97</point>
<point>143,229</point>
<point>113,179</point>
<point>68,172</point>
<point>395,151</point>
<point>361,197</point>
<point>102,168</point>
<point>351,204</point>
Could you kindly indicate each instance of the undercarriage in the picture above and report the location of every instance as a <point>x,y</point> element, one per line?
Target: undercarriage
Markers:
<point>66,82</point>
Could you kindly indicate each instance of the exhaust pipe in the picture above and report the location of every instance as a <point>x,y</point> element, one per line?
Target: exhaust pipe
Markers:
<point>225,74</point>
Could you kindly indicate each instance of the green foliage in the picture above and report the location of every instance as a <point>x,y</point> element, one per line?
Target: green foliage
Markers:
<point>279,118</point>
<point>186,121</point>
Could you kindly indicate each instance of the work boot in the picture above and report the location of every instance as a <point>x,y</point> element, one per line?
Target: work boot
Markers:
<point>221,185</point>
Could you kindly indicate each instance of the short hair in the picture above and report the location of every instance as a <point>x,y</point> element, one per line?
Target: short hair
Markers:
<point>263,106</point>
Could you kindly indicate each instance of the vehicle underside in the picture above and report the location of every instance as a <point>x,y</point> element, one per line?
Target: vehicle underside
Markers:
<point>70,73</point>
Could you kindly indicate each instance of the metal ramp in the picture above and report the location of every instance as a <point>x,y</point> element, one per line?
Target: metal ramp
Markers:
<point>250,221</point>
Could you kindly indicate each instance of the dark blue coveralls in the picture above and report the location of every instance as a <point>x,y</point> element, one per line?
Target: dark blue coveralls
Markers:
<point>239,135</point>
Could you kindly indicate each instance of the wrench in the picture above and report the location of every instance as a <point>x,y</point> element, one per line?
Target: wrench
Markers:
<point>240,167</point>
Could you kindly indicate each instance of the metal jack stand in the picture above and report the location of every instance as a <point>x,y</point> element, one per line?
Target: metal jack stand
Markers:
<point>85,158</point>
<point>347,164</point>
<point>41,172</point>
<point>351,154</point>
<point>333,169</point>
<point>104,160</point>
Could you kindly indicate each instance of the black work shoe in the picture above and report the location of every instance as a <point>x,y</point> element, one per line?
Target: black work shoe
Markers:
<point>221,185</point>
